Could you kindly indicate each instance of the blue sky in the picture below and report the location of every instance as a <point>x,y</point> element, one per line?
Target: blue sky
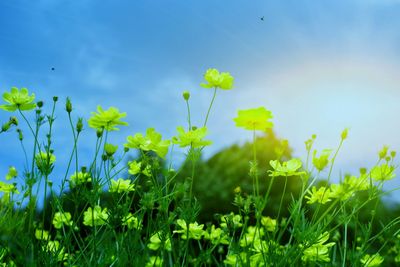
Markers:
<point>320,66</point>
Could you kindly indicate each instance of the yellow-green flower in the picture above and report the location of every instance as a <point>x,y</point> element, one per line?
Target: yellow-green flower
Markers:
<point>121,186</point>
<point>79,178</point>
<point>287,168</point>
<point>8,188</point>
<point>237,260</point>
<point>151,142</point>
<point>383,172</point>
<point>357,183</point>
<point>134,167</point>
<point>322,195</point>
<point>341,191</point>
<point>254,119</point>
<point>107,119</point>
<point>318,251</point>
<point>41,234</point>
<point>268,223</point>
<point>322,161</point>
<point>110,149</point>
<point>193,138</point>
<point>215,79</point>
<point>216,236</point>
<point>158,240</point>
<point>44,161</point>
<point>195,230</point>
<point>62,218</point>
<point>18,99</point>
<point>231,220</point>
<point>12,173</point>
<point>131,222</point>
<point>96,216</point>
<point>155,261</point>
<point>372,260</point>
<point>55,248</point>
<point>252,235</point>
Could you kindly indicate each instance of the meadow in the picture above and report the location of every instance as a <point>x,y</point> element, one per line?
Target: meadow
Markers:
<point>138,211</point>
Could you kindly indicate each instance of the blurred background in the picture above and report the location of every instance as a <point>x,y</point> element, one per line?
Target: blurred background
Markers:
<point>319,66</point>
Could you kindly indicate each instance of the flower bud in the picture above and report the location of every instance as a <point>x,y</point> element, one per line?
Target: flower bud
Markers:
<point>13,120</point>
<point>79,125</point>
<point>186,95</point>
<point>68,105</point>
<point>39,104</point>
<point>5,127</point>
<point>110,149</point>
<point>55,98</point>
<point>20,135</point>
<point>99,133</point>
<point>344,134</point>
<point>383,152</point>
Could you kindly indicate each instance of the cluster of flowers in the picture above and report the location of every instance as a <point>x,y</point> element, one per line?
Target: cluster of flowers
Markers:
<point>254,239</point>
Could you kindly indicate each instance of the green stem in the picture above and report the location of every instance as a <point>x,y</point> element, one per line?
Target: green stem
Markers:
<point>209,108</point>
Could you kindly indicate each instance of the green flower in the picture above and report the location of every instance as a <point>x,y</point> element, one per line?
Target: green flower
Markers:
<point>159,239</point>
<point>216,236</point>
<point>323,160</point>
<point>61,218</point>
<point>287,168</point>
<point>341,191</point>
<point>318,251</point>
<point>44,161</point>
<point>254,119</point>
<point>215,79</point>
<point>372,260</point>
<point>151,142</point>
<point>322,195</point>
<point>79,178</point>
<point>237,260</point>
<point>231,220</point>
<point>357,183</point>
<point>107,119</point>
<point>383,172</point>
<point>41,234</point>
<point>18,99</point>
<point>252,235</point>
<point>8,188</point>
<point>54,247</point>
<point>268,223</point>
<point>193,138</point>
<point>121,186</point>
<point>12,173</point>
<point>131,222</point>
<point>110,149</point>
<point>96,216</point>
<point>195,230</point>
<point>154,261</point>
<point>134,167</point>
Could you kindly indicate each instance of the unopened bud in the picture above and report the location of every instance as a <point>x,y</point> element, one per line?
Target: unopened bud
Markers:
<point>39,104</point>
<point>5,127</point>
<point>13,120</point>
<point>20,135</point>
<point>55,98</point>
<point>79,125</point>
<point>68,105</point>
<point>186,95</point>
<point>99,133</point>
<point>345,133</point>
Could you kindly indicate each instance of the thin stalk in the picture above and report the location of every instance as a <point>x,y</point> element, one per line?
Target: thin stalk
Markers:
<point>209,108</point>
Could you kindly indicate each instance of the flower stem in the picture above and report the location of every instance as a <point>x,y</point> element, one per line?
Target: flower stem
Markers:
<point>209,108</point>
